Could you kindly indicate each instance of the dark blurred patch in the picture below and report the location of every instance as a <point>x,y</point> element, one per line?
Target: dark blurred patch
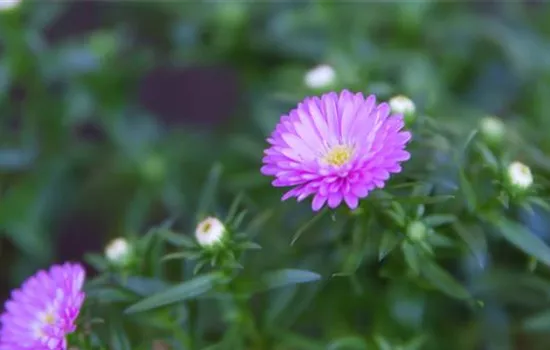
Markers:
<point>202,96</point>
<point>89,132</point>
<point>8,252</point>
<point>80,17</point>
<point>79,233</point>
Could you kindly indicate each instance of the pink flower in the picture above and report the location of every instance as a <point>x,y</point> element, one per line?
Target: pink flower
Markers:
<point>338,147</point>
<point>43,311</point>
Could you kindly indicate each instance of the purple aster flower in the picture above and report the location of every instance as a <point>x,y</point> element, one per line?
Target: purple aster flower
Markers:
<point>337,148</point>
<point>43,311</point>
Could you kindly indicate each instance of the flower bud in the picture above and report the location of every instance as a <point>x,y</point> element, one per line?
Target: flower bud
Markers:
<point>320,77</point>
<point>519,176</point>
<point>6,5</point>
<point>417,231</point>
<point>153,168</point>
<point>119,252</point>
<point>401,104</point>
<point>492,129</point>
<point>210,232</point>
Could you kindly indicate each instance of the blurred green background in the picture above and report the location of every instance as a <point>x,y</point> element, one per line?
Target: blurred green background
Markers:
<point>113,114</point>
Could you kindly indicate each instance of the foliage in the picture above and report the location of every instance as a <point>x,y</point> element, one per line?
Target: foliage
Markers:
<point>447,255</point>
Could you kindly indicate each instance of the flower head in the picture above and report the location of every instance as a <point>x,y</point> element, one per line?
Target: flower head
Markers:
<point>43,311</point>
<point>209,232</point>
<point>337,147</point>
<point>320,77</point>
<point>519,176</point>
<point>401,104</point>
<point>119,251</point>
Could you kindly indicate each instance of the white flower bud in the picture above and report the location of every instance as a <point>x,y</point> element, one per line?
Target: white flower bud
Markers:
<point>519,176</point>
<point>8,4</point>
<point>118,251</point>
<point>402,105</point>
<point>492,129</point>
<point>321,76</point>
<point>209,232</point>
<point>417,231</point>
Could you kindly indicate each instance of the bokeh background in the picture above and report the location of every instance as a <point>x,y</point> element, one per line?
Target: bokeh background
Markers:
<point>113,113</point>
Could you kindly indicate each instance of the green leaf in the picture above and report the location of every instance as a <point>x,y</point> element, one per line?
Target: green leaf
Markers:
<point>285,277</point>
<point>348,343</point>
<point>177,239</point>
<point>475,239</point>
<point>488,156</point>
<point>439,220</point>
<point>466,145</point>
<point>181,292</point>
<point>250,246</point>
<point>415,200</point>
<point>388,242</point>
<point>411,257</point>
<point>97,261</point>
<point>442,280</point>
<point>540,202</point>
<point>181,255</point>
<point>209,191</point>
<point>467,191</point>
<point>524,240</point>
<point>298,342</point>
<point>416,343</point>
<point>307,225</point>
<point>233,209</point>
<point>540,322</point>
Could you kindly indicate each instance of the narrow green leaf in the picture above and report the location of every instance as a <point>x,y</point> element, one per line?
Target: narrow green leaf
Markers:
<point>250,246</point>
<point>416,343</point>
<point>307,225</point>
<point>540,202</point>
<point>181,292</point>
<point>239,219</point>
<point>348,343</point>
<point>540,322</point>
<point>524,240</point>
<point>181,255</point>
<point>419,199</point>
<point>467,190</point>
<point>233,209</point>
<point>177,239</point>
<point>438,220</point>
<point>388,242</point>
<point>488,156</point>
<point>475,240</point>
<point>411,257</point>
<point>442,280</point>
<point>466,145</point>
<point>298,342</point>
<point>97,261</point>
<point>208,191</point>
<point>285,277</point>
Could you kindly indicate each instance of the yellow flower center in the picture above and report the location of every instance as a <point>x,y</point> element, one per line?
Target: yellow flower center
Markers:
<point>338,155</point>
<point>206,227</point>
<point>49,318</point>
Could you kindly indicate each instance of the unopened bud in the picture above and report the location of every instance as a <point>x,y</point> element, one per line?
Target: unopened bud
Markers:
<point>401,104</point>
<point>492,129</point>
<point>119,251</point>
<point>209,232</point>
<point>320,77</point>
<point>417,231</point>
